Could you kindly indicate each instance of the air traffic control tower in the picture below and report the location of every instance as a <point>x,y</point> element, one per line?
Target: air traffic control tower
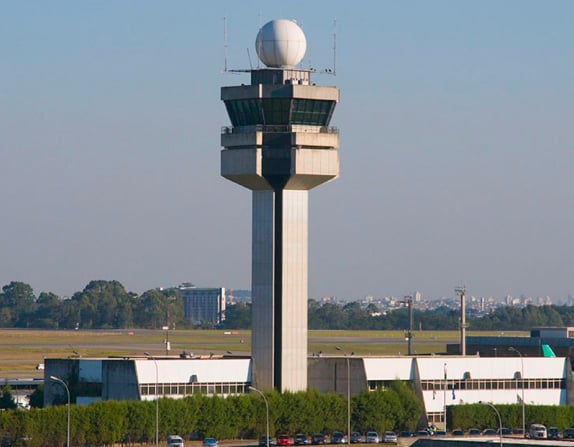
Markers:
<point>280,146</point>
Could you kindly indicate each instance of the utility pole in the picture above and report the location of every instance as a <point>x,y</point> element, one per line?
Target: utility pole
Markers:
<point>461,291</point>
<point>408,301</point>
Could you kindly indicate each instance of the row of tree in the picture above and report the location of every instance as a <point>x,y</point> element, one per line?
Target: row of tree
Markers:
<point>101,305</point>
<point>242,416</point>
<point>107,304</point>
<point>352,316</point>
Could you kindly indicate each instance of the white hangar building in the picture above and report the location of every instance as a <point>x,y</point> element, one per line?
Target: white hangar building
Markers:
<point>438,380</point>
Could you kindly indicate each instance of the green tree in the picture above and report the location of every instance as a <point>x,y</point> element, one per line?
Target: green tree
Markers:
<point>48,311</point>
<point>36,399</point>
<point>19,298</point>
<point>7,401</point>
<point>238,316</point>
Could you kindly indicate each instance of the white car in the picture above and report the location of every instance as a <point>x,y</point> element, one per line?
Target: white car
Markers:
<point>390,437</point>
<point>372,437</point>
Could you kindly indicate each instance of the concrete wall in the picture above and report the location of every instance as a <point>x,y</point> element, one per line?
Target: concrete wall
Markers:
<point>119,380</point>
<point>329,374</point>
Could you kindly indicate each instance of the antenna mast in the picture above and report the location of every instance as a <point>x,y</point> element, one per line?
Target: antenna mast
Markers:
<point>461,291</point>
<point>225,44</point>
<point>334,46</point>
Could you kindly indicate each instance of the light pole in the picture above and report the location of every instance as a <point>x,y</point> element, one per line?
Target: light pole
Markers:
<point>513,349</point>
<point>57,379</point>
<point>338,348</point>
<point>499,419</point>
<point>444,396</point>
<point>252,388</point>
<point>156,399</point>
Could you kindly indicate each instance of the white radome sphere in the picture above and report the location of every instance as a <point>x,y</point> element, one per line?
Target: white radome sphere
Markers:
<point>280,44</point>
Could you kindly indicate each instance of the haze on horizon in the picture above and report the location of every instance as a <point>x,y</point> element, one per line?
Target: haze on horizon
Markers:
<point>456,146</point>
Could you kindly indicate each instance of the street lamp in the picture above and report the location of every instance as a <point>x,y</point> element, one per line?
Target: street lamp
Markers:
<point>499,419</point>
<point>513,349</point>
<point>57,379</point>
<point>156,400</point>
<point>252,388</point>
<point>338,348</point>
<point>444,396</point>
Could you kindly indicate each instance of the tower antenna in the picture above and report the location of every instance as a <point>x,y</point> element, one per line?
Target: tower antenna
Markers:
<point>225,44</point>
<point>334,47</point>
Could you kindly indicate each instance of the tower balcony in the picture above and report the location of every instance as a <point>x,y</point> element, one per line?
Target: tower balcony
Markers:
<point>298,136</point>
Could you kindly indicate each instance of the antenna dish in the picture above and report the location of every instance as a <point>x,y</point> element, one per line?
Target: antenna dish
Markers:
<point>281,43</point>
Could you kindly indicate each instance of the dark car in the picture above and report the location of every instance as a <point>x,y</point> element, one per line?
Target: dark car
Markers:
<point>283,440</point>
<point>263,441</point>
<point>568,433</point>
<point>356,437</point>
<point>457,432</point>
<point>319,439</point>
<point>505,431</point>
<point>301,439</point>
<point>422,433</point>
<point>474,432</point>
<point>440,433</point>
<point>554,433</point>
<point>405,434</point>
<point>489,432</point>
<point>338,437</point>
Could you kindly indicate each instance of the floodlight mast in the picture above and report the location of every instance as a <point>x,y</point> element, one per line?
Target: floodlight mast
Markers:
<point>408,301</point>
<point>461,291</point>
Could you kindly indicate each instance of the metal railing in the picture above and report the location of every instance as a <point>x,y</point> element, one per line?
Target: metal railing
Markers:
<point>227,130</point>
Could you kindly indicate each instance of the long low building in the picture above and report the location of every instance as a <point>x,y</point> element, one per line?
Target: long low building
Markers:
<point>439,380</point>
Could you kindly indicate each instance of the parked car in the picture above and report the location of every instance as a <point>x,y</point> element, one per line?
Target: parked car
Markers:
<point>538,431</point>
<point>390,437</point>
<point>457,432</point>
<point>568,433</point>
<point>372,437</point>
<point>338,437</point>
<point>356,437</point>
<point>301,439</point>
<point>505,431</point>
<point>422,433</point>
<point>283,440</point>
<point>405,434</point>
<point>210,442</point>
<point>263,441</point>
<point>489,432</point>
<point>474,432</point>
<point>554,433</point>
<point>440,433</point>
<point>319,439</point>
<point>174,441</point>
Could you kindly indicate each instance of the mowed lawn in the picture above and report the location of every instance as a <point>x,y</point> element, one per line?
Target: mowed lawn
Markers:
<point>22,350</point>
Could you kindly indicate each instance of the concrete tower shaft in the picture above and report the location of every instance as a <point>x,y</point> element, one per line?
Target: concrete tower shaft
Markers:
<point>280,146</point>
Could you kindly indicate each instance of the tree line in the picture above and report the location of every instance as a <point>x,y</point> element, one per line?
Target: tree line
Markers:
<point>101,305</point>
<point>233,417</point>
<point>107,305</point>
<point>352,316</point>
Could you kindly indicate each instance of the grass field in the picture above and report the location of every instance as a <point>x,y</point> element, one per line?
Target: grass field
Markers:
<point>22,350</point>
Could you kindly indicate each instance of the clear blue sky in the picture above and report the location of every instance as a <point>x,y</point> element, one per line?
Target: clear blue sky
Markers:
<point>457,149</point>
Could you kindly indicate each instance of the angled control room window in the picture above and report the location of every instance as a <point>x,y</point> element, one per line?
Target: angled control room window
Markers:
<point>312,112</point>
<point>279,111</point>
<point>276,111</point>
<point>244,112</point>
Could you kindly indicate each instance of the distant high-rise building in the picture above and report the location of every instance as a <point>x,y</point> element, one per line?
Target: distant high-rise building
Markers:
<point>202,304</point>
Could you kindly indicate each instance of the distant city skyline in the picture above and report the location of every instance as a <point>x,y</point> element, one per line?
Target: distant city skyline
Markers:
<point>456,146</point>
